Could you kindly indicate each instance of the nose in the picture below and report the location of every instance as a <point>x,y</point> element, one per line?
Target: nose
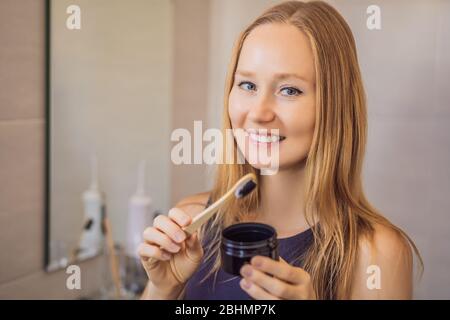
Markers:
<point>261,110</point>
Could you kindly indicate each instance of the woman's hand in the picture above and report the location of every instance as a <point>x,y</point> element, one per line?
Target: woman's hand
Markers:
<point>169,258</point>
<point>267,279</point>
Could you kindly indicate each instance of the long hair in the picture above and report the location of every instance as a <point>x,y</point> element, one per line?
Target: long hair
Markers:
<point>333,190</point>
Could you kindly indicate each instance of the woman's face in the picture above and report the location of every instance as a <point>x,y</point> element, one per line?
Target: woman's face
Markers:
<point>274,88</point>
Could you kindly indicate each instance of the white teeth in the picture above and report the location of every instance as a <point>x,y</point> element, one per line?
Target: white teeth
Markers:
<point>264,138</point>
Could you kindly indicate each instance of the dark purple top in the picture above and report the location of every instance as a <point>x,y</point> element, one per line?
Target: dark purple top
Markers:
<point>227,285</point>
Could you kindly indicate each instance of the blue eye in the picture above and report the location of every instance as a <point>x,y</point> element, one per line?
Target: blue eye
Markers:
<point>248,86</point>
<point>291,91</point>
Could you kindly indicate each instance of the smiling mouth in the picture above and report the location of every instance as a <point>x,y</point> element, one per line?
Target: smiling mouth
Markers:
<point>263,136</point>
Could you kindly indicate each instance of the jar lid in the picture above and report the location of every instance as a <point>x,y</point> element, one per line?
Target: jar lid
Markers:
<point>249,235</point>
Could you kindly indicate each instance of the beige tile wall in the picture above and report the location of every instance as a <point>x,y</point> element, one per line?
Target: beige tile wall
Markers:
<point>191,84</point>
<point>22,125</point>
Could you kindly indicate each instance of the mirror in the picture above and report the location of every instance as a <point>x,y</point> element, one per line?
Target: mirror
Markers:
<point>108,123</point>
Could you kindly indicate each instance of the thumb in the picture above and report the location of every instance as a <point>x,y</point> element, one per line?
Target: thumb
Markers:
<point>191,241</point>
<point>194,248</point>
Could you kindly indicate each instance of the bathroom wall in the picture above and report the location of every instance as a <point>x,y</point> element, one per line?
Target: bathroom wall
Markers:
<point>406,70</point>
<point>22,105</point>
<point>191,86</point>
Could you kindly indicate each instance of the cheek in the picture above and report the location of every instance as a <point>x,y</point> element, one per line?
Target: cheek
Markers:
<point>300,131</point>
<point>301,123</point>
<point>236,109</point>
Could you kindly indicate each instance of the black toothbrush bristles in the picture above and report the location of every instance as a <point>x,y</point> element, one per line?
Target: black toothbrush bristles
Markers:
<point>245,189</point>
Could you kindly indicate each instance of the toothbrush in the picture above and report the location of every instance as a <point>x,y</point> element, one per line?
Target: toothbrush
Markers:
<point>241,189</point>
<point>113,259</point>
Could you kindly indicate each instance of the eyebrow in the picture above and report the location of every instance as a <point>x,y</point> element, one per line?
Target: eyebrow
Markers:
<point>280,76</point>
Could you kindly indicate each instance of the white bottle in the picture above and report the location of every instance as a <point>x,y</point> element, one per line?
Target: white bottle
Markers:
<point>139,215</point>
<point>91,241</point>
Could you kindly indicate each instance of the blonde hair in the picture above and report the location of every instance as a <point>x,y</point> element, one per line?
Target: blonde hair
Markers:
<point>333,187</point>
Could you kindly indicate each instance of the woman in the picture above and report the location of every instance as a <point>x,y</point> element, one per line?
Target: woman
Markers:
<point>294,69</point>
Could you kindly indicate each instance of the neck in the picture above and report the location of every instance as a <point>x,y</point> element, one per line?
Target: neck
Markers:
<point>281,202</point>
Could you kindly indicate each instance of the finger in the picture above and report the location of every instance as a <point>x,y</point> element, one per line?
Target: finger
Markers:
<point>194,249</point>
<point>192,241</point>
<point>255,291</point>
<point>147,251</point>
<point>270,284</point>
<point>170,228</point>
<point>154,236</point>
<point>281,270</point>
<point>179,216</point>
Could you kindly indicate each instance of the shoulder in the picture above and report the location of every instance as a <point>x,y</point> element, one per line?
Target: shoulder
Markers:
<point>193,204</point>
<point>386,243</point>
<point>384,265</point>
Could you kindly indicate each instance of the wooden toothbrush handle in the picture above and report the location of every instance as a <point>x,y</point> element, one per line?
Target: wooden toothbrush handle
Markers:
<point>112,258</point>
<point>201,218</point>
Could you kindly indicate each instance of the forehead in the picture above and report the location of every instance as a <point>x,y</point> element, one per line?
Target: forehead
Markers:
<point>277,48</point>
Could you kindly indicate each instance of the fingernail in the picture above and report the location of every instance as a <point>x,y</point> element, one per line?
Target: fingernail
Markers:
<point>256,262</point>
<point>184,220</point>
<point>246,284</point>
<point>179,236</point>
<point>246,271</point>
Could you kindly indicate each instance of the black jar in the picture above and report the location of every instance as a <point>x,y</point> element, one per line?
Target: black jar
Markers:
<point>242,241</point>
